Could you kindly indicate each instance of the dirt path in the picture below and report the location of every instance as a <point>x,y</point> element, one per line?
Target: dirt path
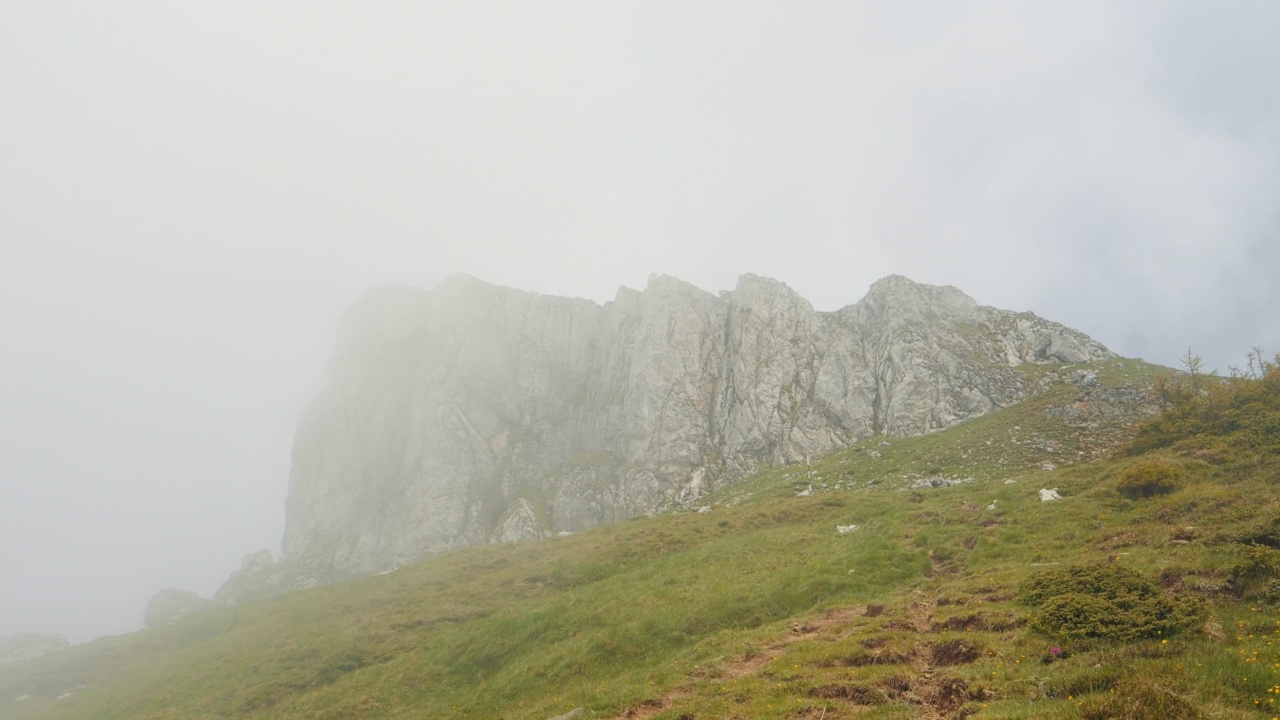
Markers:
<point>747,665</point>
<point>940,697</point>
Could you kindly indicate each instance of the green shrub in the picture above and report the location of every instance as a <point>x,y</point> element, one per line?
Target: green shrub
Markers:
<point>1256,571</point>
<point>1106,601</point>
<point>1147,479</point>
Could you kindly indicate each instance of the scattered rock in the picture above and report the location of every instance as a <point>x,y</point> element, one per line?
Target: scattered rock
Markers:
<point>992,506</point>
<point>22,698</point>
<point>1049,495</point>
<point>936,482</point>
<point>1084,378</point>
<point>704,509</point>
<point>576,712</point>
<point>1048,466</point>
<point>845,529</point>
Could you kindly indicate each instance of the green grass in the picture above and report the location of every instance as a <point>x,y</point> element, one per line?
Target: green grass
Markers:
<point>759,609</point>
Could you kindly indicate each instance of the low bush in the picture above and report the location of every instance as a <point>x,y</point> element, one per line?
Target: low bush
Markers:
<point>1256,572</point>
<point>1147,479</point>
<point>1106,601</point>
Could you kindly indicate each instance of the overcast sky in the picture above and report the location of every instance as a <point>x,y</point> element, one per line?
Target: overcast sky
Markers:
<point>192,193</point>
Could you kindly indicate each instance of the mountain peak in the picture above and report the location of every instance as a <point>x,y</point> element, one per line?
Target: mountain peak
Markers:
<point>449,410</point>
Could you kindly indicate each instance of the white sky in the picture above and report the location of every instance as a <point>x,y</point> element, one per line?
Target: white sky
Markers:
<point>192,193</point>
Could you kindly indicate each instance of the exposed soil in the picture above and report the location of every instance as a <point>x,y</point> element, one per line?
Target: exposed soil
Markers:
<point>752,663</point>
<point>978,621</point>
<point>956,652</point>
<point>938,696</point>
<point>856,694</point>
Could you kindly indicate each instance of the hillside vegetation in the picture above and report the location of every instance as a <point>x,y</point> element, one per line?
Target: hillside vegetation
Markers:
<point>1147,591</point>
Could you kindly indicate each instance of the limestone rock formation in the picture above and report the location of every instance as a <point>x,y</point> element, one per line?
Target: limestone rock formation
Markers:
<point>260,577</point>
<point>171,605</point>
<point>473,413</point>
<point>520,524</point>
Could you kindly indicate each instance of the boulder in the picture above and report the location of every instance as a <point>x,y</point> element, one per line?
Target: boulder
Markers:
<point>171,605</point>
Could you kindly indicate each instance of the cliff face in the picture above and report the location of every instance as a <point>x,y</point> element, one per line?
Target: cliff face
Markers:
<point>473,413</point>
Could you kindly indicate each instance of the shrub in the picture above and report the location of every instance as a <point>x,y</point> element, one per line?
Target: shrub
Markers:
<point>1106,601</point>
<point>1147,479</point>
<point>1255,573</point>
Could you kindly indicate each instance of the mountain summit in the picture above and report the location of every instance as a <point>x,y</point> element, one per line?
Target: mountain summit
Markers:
<point>474,413</point>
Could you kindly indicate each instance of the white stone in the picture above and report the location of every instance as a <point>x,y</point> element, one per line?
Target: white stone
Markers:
<point>1049,495</point>
<point>845,529</point>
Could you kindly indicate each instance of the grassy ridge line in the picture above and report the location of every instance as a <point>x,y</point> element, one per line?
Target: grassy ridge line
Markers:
<point>726,614</point>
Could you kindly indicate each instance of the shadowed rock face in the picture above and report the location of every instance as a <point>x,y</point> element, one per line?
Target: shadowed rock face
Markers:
<point>474,413</point>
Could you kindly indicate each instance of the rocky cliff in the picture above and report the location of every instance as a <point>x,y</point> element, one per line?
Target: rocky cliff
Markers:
<point>473,413</point>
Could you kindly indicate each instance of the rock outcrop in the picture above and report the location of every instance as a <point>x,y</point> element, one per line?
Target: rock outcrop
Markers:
<point>171,605</point>
<point>474,413</point>
<point>29,646</point>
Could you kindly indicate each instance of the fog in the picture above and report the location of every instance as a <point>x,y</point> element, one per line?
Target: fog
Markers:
<point>191,194</point>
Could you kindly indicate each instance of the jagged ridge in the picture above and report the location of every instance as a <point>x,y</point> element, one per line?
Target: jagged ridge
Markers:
<point>474,413</point>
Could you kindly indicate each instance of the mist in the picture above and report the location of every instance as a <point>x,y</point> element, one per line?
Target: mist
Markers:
<point>191,196</point>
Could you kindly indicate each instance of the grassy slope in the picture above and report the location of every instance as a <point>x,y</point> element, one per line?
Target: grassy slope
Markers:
<point>757,608</point>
